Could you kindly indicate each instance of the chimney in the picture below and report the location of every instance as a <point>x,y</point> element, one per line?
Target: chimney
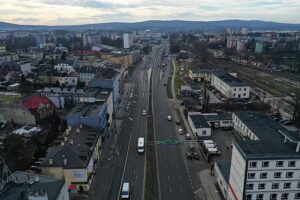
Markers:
<point>62,143</point>
<point>78,130</point>
<point>65,139</point>
<point>65,161</point>
<point>71,141</point>
<point>80,125</point>
<point>50,161</point>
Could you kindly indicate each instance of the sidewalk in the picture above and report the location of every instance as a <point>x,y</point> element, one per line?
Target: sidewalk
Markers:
<point>208,183</point>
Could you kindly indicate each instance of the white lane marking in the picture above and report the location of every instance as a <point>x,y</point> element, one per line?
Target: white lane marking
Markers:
<point>168,176</point>
<point>134,171</point>
<point>130,118</point>
<point>124,166</point>
<point>170,189</point>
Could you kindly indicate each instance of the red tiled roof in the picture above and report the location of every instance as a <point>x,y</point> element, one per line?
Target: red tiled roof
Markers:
<point>34,102</point>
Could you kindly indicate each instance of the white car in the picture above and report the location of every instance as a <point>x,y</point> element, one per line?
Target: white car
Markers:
<point>169,118</point>
<point>144,112</point>
<point>180,131</point>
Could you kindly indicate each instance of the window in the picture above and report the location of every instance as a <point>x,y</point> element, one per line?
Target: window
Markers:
<point>234,89</point>
<point>287,185</point>
<point>273,196</point>
<point>265,164</point>
<point>251,175</point>
<point>292,164</point>
<point>297,195</point>
<point>253,164</point>
<point>263,175</point>
<point>244,94</point>
<point>275,185</point>
<point>277,174</point>
<point>285,196</point>
<point>289,174</point>
<point>259,196</point>
<point>298,185</point>
<point>279,164</point>
<point>248,197</point>
<point>234,94</point>
<point>261,186</point>
<point>249,186</point>
<point>240,89</point>
<point>245,89</point>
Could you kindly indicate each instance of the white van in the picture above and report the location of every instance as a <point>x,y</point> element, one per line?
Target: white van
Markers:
<point>208,142</point>
<point>209,145</point>
<point>213,151</point>
<point>141,145</point>
<point>125,191</point>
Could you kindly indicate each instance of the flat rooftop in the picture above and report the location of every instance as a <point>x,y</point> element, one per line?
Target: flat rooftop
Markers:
<point>271,136</point>
<point>229,80</point>
<point>199,121</point>
<point>217,117</point>
<point>86,110</point>
<point>108,73</point>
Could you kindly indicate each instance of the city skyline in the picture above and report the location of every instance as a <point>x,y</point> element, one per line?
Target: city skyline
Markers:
<point>75,12</point>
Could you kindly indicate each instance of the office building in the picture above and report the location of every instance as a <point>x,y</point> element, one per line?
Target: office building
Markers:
<point>127,40</point>
<point>265,162</point>
<point>230,86</point>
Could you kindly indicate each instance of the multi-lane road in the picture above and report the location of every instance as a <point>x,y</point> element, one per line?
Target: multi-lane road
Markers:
<point>173,177</point>
<point>127,165</point>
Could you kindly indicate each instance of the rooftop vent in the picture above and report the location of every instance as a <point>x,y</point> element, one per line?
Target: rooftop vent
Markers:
<point>65,161</point>
<point>50,161</point>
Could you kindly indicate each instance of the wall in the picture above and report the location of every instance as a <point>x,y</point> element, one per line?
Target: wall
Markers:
<point>64,193</point>
<point>237,175</point>
<point>18,113</point>
<point>221,180</point>
<point>56,172</point>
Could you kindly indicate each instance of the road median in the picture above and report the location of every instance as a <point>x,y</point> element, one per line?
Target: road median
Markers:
<point>151,184</point>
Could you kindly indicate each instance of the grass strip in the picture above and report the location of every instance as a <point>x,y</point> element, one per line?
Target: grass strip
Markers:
<point>151,184</point>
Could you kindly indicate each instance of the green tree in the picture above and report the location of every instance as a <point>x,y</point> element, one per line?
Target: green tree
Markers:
<point>15,152</point>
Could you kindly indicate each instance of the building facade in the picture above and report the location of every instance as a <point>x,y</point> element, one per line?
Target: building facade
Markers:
<point>230,86</point>
<point>266,162</point>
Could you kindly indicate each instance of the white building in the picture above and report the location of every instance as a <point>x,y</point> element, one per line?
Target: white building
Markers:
<point>265,164</point>
<point>230,86</point>
<point>241,46</point>
<point>198,124</point>
<point>64,68</point>
<point>244,31</point>
<point>219,120</point>
<point>127,40</point>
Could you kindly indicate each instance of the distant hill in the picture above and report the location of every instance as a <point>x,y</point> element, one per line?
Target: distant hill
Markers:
<point>173,25</point>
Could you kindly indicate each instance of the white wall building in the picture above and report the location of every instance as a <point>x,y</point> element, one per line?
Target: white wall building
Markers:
<point>230,86</point>
<point>198,124</point>
<point>127,40</point>
<point>64,68</point>
<point>266,163</point>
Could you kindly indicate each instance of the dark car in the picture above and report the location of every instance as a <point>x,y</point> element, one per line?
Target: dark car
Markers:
<point>189,155</point>
<point>196,156</point>
<point>177,122</point>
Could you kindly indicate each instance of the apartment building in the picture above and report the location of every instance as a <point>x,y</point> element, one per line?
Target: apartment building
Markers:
<point>74,157</point>
<point>230,86</point>
<point>265,162</point>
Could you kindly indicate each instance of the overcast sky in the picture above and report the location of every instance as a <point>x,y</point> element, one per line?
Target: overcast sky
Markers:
<point>70,12</point>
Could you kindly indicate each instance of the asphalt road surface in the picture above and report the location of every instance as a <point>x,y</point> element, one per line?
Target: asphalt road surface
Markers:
<point>174,179</point>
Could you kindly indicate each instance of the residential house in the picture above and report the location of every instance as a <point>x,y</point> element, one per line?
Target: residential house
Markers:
<point>24,185</point>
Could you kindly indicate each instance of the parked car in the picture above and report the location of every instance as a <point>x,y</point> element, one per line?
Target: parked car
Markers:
<point>177,122</point>
<point>189,155</point>
<point>169,118</point>
<point>196,156</point>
